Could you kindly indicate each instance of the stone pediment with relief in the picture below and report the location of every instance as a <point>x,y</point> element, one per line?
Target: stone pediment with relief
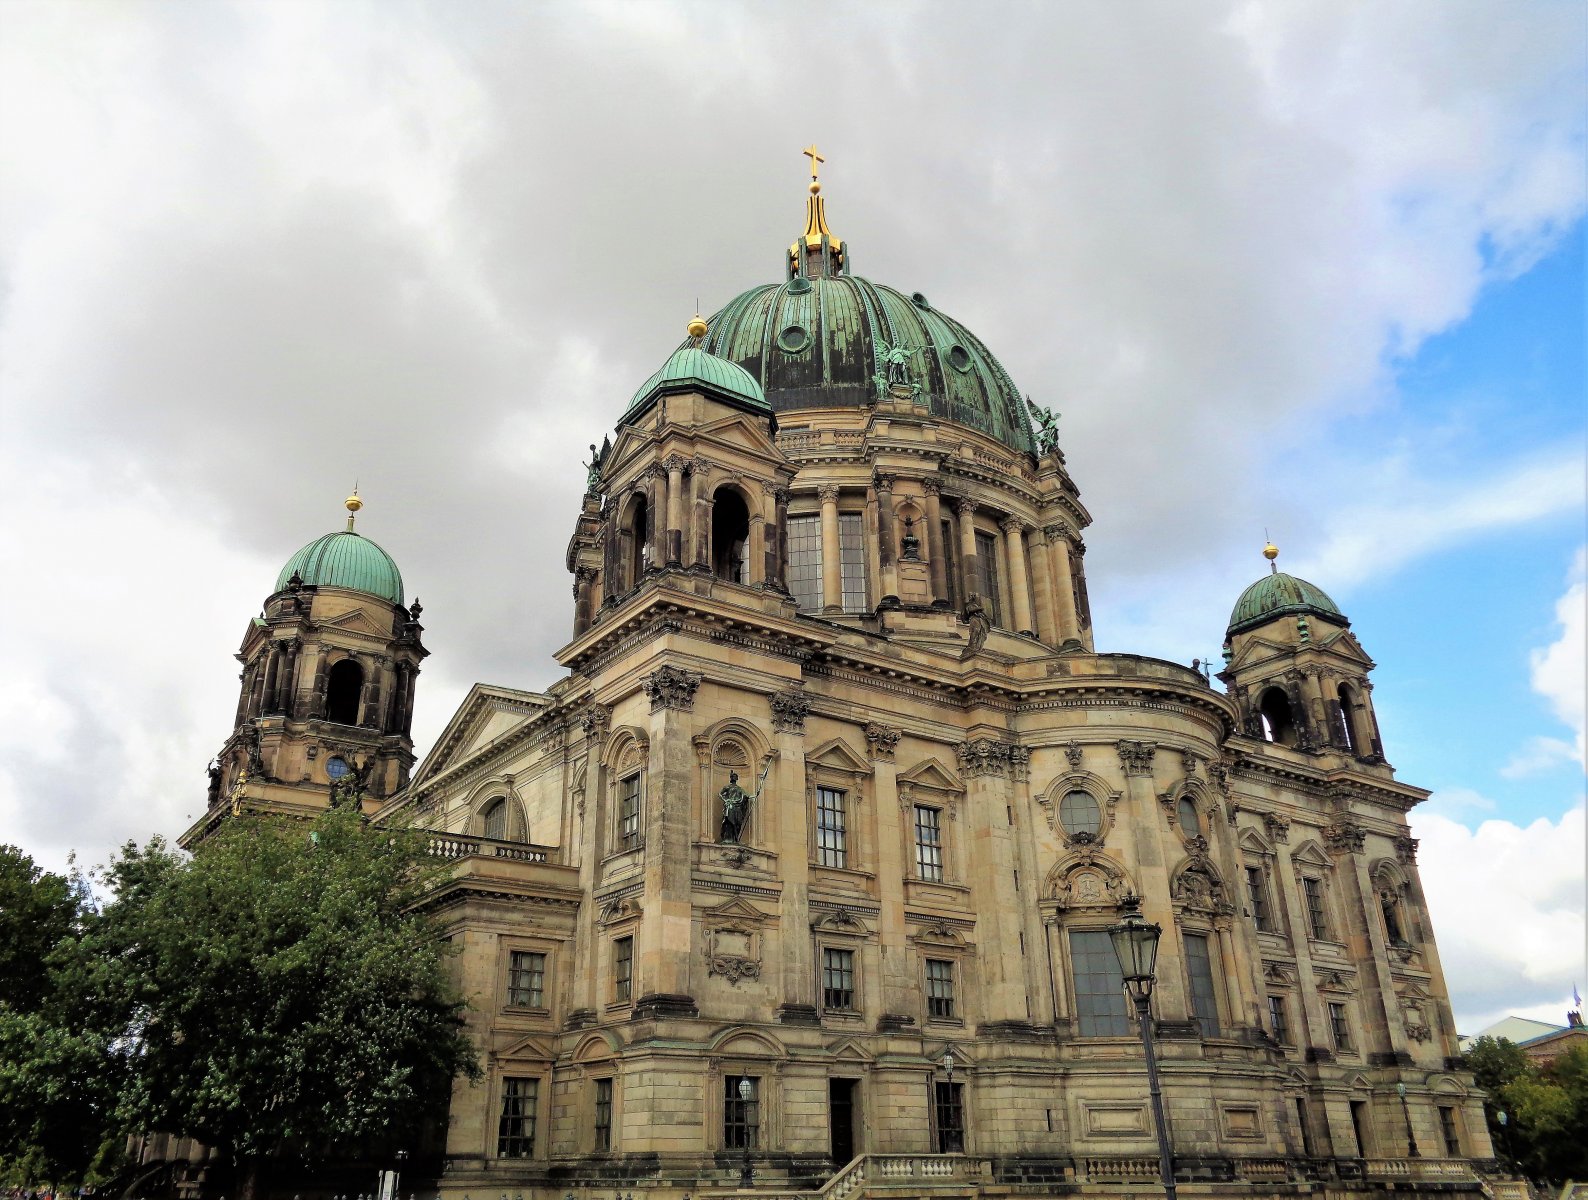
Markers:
<point>838,756</point>
<point>356,620</point>
<point>1259,649</point>
<point>741,433</point>
<point>527,1048</point>
<point>1344,643</point>
<point>487,715</point>
<point>931,775</point>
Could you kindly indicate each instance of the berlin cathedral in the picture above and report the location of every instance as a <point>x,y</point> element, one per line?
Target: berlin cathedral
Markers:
<point>800,880</point>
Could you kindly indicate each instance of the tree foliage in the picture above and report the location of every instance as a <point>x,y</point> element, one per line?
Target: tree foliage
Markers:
<point>1545,1134</point>
<point>280,992</point>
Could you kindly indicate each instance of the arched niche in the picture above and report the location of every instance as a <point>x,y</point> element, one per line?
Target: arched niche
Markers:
<point>1086,880</point>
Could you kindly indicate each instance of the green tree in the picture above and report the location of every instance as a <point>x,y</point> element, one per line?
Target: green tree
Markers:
<point>281,992</point>
<point>38,910</point>
<point>1545,1134</point>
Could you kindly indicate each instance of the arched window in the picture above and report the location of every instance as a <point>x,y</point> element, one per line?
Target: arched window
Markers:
<point>1278,723</point>
<point>344,685</point>
<point>639,534</point>
<point>730,536</point>
<point>1187,813</point>
<point>1347,696</point>
<point>493,821</point>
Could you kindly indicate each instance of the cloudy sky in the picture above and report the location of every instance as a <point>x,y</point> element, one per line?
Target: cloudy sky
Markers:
<point>1314,268</point>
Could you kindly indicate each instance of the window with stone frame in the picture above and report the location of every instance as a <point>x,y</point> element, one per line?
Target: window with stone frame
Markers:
<point>852,560</point>
<point>1080,814</point>
<point>1340,1027</point>
<point>1199,974</point>
<point>526,979</point>
<point>603,1115</point>
<point>493,820</point>
<point>988,576</point>
<point>1279,1019</point>
<point>1257,898</point>
<point>628,815</point>
<point>940,999</point>
<point>1450,1131</point>
<point>741,1116</point>
<point>929,843</point>
<point>838,979</point>
<point>805,561</point>
<point>1316,898</point>
<point>515,1129</point>
<point>623,970</point>
<point>1100,1007</point>
<point>1187,817</point>
<point>832,827</point>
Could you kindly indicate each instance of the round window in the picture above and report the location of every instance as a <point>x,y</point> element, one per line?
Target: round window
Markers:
<point>799,285</point>
<point>337,767</point>
<point>793,340</point>
<point>959,358</point>
<point>1189,821</point>
<point>1079,814</point>
<point>919,300</point>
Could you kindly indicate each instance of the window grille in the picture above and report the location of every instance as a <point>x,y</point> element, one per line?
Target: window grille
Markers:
<point>1099,987</point>
<point>1317,915</point>
<point>949,1105</point>
<point>526,979</point>
<point>623,969</point>
<point>928,843</point>
<point>987,575</point>
<point>832,832</point>
<point>940,989</point>
<point>1199,967</point>
<point>496,820</point>
<point>629,812</point>
<point>1340,1027</point>
<point>1449,1131</point>
<point>852,560</point>
<point>515,1131</point>
<point>603,1115</point>
<point>1257,897</point>
<point>741,1118</point>
<point>838,979</point>
<point>805,561</point>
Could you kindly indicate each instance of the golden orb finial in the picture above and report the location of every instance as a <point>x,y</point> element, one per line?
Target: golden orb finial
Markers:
<point>697,326</point>
<point>816,188</point>
<point>1271,552</point>
<point>352,504</point>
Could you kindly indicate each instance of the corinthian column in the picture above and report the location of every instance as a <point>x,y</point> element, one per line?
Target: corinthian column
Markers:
<point>886,537</point>
<point>832,553</point>
<point>937,560</point>
<point>1019,585</point>
<point>966,509</point>
<point>1042,574</point>
<point>1064,602</point>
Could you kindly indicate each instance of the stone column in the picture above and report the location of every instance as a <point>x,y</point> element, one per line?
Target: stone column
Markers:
<point>1317,711</point>
<point>968,562</point>
<point>900,991</point>
<point>1019,585</point>
<point>777,539</point>
<point>1380,1008</point>
<point>665,935</point>
<point>392,719</point>
<point>887,539</point>
<point>755,553</point>
<point>832,552</point>
<point>986,764</point>
<point>938,558</point>
<point>1042,574</point>
<point>408,699</point>
<point>700,533</point>
<point>611,552</point>
<point>656,515</point>
<point>583,581</point>
<point>1144,823</point>
<point>272,678</point>
<point>1064,602</point>
<point>369,702</point>
<point>675,511</point>
<point>784,812</point>
<point>1313,1028</point>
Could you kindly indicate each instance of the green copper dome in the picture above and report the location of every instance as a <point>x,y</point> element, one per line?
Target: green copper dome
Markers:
<point>348,560</point>
<point>825,341</point>
<point>690,368</point>
<point>1276,594</point>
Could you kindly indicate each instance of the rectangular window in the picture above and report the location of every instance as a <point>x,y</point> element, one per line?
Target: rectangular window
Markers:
<point>1100,1008</point>
<point>928,844</point>
<point>603,1115</point>
<point>515,1132</point>
<point>629,812</point>
<point>1359,1126</point>
<point>950,566</point>
<point>1278,1022</point>
<point>838,979</point>
<point>1204,1001</point>
<point>805,561</point>
<point>940,989</point>
<point>949,1112</point>
<point>1317,915</point>
<point>1340,1027</point>
<point>1449,1131</point>
<point>526,979</point>
<point>741,1115</point>
<point>1306,1127</point>
<point>832,830</point>
<point>623,970</point>
<point>1257,897</point>
<point>852,560</point>
<point>988,576</point>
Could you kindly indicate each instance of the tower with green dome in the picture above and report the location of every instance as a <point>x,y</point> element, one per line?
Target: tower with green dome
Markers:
<point>330,666</point>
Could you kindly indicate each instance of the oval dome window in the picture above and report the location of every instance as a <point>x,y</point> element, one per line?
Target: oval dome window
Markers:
<point>793,340</point>
<point>799,285</point>
<point>919,300</point>
<point>959,358</point>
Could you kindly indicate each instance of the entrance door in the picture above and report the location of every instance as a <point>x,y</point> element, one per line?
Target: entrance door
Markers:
<point>841,1114</point>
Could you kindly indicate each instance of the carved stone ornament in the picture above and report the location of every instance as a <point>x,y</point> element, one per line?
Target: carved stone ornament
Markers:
<point>882,741</point>
<point>1188,763</point>
<point>1089,885</point>
<point>733,949</point>
<point>595,721</point>
<point>1278,828</point>
<point>983,756</point>
<point>1072,754</point>
<point>1406,849</point>
<point>1219,773</point>
<point>1345,838</point>
<point>671,687</point>
<point>732,968</point>
<point>789,710</point>
<point>1419,1033</point>
<point>1020,762</point>
<point>1197,889</point>
<point>1136,757</point>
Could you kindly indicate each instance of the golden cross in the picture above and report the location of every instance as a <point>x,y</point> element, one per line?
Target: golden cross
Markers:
<point>810,153</point>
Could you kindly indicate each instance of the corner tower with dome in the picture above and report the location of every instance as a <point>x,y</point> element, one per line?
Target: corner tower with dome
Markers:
<point>325,706</point>
<point>799,879</point>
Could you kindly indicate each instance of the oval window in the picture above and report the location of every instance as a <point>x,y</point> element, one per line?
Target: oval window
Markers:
<point>919,300</point>
<point>799,285</point>
<point>793,339</point>
<point>1079,814</point>
<point>1188,817</point>
<point>959,358</point>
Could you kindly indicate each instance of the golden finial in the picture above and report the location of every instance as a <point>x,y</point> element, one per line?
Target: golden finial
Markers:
<point>352,504</point>
<point>697,326</point>
<point>1271,552</point>
<point>816,161</point>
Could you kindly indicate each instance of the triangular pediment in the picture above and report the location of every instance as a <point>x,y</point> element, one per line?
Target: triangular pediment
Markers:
<point>735,908</point>
<point>527,1048</point>
<point>849,1050</point>
<point>488,714</point>
<point>356,620</point>
<point>741,432</point>
<point>1343,642</point>
<point>1257,649</point>
<point>838,755</point>
<point>630,443</point>
<point>931,774</point>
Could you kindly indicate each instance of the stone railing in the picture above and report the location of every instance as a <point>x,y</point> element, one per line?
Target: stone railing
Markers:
<point>898,1174</point>
<point>1112,1169</point>
<point>452,845</point>
<point>1417,1168</point>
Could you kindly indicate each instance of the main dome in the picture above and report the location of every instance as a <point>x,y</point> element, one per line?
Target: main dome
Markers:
<point>349,560</point>
<point>824,342</point>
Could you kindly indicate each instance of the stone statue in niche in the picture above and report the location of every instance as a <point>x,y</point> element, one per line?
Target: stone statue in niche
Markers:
<point>1392,920</point>
<point>976,617</point>
<point>736,807</point>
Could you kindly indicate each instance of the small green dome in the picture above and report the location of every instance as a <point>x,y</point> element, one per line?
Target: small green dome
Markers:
<point>1276,594</point>
<point>348,560</point>
<point>690,368</point>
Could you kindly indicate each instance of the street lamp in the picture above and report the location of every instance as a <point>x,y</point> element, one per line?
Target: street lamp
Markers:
<point>1136,947</point>
<point>397,1175</point>
<point>1411,1138</point>
<point>746,1098</point>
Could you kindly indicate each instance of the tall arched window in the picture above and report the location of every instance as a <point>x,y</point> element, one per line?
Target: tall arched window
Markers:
<point>639,535</point>
<point>493,821</point>
<point>344,685</point>
<point>1279,725</point>
<point>730,536</point>
<point>1353,740</point>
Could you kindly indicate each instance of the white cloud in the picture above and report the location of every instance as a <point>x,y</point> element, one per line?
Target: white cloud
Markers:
<point>1559,669</point>
<point>1507,908</point>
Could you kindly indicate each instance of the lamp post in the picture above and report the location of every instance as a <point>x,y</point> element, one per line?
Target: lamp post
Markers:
<point>1406,1112</point>
<point>746,1097</point>
<point>397,1175</point>
<point>1136,946</point>
<point>1503,1119</point>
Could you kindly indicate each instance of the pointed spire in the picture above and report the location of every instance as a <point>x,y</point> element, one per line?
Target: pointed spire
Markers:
<point>817,252</point>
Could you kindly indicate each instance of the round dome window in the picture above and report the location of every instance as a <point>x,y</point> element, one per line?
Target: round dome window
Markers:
<point>799,285</point>
<point>919,300</point>
<point>1080,815</point>
<point>793,340</point>
<point>959,358</point>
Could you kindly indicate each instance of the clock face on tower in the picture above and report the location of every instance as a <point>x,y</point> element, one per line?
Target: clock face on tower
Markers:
<point>336,767</point>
